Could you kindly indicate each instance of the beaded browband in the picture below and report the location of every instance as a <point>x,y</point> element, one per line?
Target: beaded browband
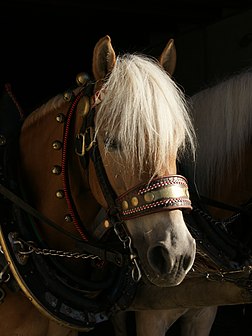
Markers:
<point>169,192</point>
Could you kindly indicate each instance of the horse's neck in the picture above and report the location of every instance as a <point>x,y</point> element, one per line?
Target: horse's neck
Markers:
<point>41,151</point>
<point>236,185</point>
<point>222,122</point>
<point>231,184</point>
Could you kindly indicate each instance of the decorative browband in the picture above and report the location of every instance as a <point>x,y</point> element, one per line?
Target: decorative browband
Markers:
<point>169,192</point>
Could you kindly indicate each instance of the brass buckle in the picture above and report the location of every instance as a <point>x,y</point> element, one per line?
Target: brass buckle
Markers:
<point>82,138</point>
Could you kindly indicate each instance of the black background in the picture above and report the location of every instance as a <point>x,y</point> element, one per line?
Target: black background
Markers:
<point>44,44</point>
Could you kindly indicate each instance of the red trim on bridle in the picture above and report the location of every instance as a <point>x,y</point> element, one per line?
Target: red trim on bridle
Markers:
<point>64,166</point>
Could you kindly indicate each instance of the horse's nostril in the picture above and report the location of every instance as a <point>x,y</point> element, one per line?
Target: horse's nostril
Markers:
<point>159,259</point>
<point>187,262</point>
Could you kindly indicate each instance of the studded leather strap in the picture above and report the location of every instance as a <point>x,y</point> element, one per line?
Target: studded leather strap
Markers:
<point>169,192</point>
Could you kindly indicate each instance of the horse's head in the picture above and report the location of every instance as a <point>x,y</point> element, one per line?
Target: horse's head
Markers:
<point>137,126</point>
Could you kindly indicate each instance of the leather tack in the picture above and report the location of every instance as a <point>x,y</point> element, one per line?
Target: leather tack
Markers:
<point>86,105</point>
<point>125,205</point>
<point>134,201</point>
<point>68,95</point>
<point>82,78</point>
<point>149,197</point>
<point>68,218</point>
<point>60,118</point>
<point>106,224</point>
<point>56,170</point>
<point>57,145</point>
<point>60,194</point>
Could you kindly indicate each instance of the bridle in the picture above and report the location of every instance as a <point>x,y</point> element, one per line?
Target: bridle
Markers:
<point>23,256</point>
<point>165,193</point>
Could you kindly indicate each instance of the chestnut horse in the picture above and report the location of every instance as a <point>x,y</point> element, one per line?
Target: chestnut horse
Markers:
<point>221,198</point>
<point>94,202</point>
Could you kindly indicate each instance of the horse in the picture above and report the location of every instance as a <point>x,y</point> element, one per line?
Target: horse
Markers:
<point>221,219</point>
<point>92,202</point>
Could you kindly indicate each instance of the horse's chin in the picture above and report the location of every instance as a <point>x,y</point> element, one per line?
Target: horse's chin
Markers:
<point>169,281</point>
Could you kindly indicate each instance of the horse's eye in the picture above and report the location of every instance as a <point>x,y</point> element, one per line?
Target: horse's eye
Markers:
<point>111,144</point>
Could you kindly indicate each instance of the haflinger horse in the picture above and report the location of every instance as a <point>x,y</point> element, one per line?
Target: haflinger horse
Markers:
<point>92,201</point>
<point>220,189</point>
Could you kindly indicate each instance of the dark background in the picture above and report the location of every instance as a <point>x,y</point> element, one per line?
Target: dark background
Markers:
<point>44,44</point>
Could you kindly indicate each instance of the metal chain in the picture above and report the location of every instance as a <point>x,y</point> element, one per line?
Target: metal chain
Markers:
<point>126,240</point>
<point>51,252</point>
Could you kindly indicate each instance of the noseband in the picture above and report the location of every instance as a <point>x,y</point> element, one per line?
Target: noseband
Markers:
<point>170,192</point>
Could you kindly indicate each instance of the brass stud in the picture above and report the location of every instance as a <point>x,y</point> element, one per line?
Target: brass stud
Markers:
<point>68,218</point>
<point>2,140</point>
<point>82,78</point>
<point>106,224</point>
<point>149,197</point>
<point>60,194</point>
<point>60,118</point>
<point>57,145</point>
<point>125,205</point>
<point>134,201</point>
<point>68,95</point>
<point>56,170</point>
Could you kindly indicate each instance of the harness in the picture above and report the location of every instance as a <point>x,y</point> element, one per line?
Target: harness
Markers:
<point>222,256</point>
<point>29,265</point>
<point>80,303</point>
<point>69,300</point>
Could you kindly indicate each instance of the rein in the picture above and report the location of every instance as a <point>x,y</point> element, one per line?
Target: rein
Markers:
<point>95,252</point>
<point>224,256</point>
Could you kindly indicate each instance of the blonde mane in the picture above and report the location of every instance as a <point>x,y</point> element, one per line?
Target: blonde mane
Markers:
<point>145,111</point>
<point>223,123</point>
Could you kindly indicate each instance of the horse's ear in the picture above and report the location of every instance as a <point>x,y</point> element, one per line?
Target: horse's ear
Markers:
<point>103,58</point>
<point>168,57</point>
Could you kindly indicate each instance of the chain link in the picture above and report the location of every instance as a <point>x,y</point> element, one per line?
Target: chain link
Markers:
<point>51,252</point>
